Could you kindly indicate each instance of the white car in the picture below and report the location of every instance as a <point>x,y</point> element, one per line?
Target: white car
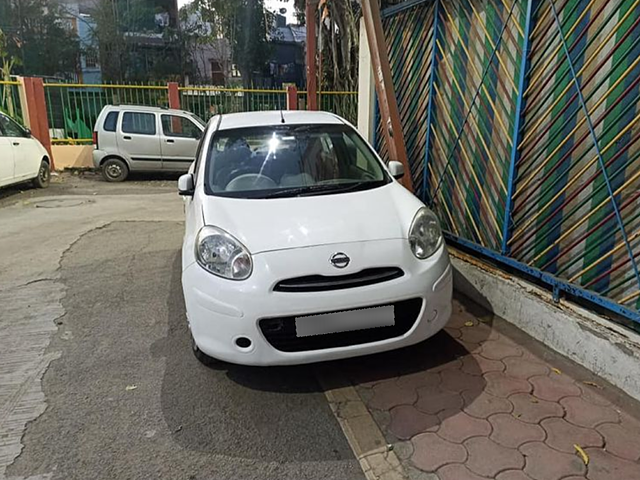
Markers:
<point>22,157</point>
<point>300,245</point>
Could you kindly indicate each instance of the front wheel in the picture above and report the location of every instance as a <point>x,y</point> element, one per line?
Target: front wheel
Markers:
<point>44,175</point>
<point>115,170</point>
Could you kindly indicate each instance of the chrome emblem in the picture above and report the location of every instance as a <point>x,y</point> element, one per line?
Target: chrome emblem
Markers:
<point>340,260</point>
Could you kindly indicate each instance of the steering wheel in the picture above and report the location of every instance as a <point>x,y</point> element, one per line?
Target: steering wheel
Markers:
<point>250,181</point>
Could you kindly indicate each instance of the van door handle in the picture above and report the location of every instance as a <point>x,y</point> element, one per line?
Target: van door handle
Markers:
<point>16,144</point>
<point>126,137</point>
<point>170,141</point>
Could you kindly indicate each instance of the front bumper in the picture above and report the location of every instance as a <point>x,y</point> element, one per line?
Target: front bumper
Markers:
<point>220,311</point>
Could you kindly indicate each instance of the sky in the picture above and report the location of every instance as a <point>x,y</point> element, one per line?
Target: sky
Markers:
<point>273,5</point>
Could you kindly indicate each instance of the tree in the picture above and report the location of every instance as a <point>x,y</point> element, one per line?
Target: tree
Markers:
<point>243,23</point>
<point>38,33</point>
<point>338,22</point>
<point>7,64</point>
<point>132,47</point>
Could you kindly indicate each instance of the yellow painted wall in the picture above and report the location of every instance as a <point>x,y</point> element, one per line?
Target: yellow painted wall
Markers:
<point>73,156</point>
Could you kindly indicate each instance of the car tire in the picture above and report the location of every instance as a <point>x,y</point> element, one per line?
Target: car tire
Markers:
<point>115,170</point>
<point>44,175</point>
<point>202,357</point>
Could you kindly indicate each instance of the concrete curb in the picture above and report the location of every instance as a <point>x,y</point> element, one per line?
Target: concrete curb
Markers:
<point>369,446</point>
<point>597,343</point>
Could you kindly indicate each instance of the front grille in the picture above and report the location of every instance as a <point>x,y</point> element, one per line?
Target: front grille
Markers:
<point>322,283</point>
<point>281,332</point>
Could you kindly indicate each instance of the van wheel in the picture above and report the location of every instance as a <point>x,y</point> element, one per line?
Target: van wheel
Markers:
<point>44,175</point>
<point>115,170</point>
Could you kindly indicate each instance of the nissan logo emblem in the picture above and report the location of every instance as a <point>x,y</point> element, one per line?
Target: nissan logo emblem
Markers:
<point>340,260</point>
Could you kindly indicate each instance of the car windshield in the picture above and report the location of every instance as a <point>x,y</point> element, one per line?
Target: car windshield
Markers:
<point>289,161</point>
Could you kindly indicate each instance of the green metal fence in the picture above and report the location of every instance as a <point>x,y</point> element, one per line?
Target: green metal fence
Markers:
<point>72,109</point>
<point>10,99</point>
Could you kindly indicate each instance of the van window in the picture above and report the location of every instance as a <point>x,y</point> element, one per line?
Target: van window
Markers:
<point>110,122</point>
<point>175,126</point>
<point>11,128</point>
<point>139,123</point>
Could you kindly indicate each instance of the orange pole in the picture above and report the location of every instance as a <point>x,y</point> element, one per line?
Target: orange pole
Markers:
<point>174,95</point>
<point>292,97</point>
<point>312,80</point>
<point>38,120</point>
<point>389,113</point>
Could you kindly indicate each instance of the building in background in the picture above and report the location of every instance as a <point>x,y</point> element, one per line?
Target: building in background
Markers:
<point>287,62</point>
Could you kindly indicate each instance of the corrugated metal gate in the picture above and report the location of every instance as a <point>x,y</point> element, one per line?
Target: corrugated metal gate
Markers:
<point>532,160</point>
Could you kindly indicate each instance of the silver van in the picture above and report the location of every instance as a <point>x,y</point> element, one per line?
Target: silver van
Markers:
<point>133,138</point>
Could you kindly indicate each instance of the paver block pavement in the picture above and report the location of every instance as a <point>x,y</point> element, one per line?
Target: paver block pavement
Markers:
<point>502,407</point>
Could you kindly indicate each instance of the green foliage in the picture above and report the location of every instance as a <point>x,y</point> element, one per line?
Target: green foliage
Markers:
<point>243,23</point>
<point>40,36</point>
<point>131,47</point>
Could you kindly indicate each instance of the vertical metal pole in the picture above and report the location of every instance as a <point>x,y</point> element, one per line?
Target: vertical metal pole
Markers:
<point>312,80</point>
<point>433,68</point>
<point>517,129</point>
<point>390,115</point>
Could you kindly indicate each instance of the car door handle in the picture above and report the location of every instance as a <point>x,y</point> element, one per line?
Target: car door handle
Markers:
<point>170,141</point>
<point>126,137</point>
<point>17,144</point>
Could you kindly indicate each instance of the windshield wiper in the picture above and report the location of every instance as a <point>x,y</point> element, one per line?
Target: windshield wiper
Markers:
<point>325,188</point>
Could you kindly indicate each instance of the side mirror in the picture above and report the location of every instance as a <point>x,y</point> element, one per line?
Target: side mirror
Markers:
<point>28,133</point>
<point>396,169</point>
<point>186,185</point>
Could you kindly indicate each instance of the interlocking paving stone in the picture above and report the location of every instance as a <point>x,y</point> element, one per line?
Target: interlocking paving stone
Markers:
<point>458,381</point>
<point>389,394</point>
<point>587,414</point>
<point>483,404</point>
<point>478,365</point>
<point>594,395</point>
<point>430,452</point>
<point>508,431</point>
<point>519,367</point>
<point>545,463</point>
<point>407,422</point>
<point>604,466</point>
<point>498,350</point>
<point>563,435</point>
<point>553,387</point>
<point>457,426</point>
<point>434,400</point>
<point>620,441</point>
<point>530,409</point>
<point>457,472</point>
<point>501,385</point>
<point>487,458</point>
<point>513,475</point>
<point>419,379</point>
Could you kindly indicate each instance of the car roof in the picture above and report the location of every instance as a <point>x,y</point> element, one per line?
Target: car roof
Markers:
<point>291,117</point>
<point>142,108</point>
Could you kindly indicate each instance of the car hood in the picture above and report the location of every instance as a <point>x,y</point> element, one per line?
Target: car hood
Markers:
<point>264,225</point>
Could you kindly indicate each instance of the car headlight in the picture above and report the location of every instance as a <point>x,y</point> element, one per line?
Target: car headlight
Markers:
<point>222,254</point>
<point>425,235</point>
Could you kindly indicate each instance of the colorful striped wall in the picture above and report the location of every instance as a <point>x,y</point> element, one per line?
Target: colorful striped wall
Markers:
<point>531,160</point>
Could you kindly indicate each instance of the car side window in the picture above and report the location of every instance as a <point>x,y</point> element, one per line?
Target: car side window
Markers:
<point>139,123</point>
<point>11,128</point>
<point>110,122</point>
<point>175,126</point>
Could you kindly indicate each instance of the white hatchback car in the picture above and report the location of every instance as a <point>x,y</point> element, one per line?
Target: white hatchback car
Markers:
<point>300,246</point>
<point>22,157</point>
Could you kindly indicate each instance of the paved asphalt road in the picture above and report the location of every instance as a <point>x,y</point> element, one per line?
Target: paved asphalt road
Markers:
<point>124,396</point>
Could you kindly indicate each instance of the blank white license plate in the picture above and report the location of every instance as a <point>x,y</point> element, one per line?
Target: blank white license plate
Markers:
<point>345,321</point>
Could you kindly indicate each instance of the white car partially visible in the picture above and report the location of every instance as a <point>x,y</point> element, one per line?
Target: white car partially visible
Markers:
<point>22,157</point>
<point>301,246</point>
